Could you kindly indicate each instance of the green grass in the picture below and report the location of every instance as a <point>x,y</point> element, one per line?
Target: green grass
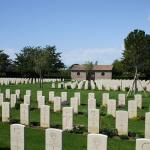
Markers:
<point>35,136</point>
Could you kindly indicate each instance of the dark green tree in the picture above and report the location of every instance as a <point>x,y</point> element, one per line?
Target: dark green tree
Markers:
<point>5,63</point>
<point>118,69</point>
<point>38,62</point>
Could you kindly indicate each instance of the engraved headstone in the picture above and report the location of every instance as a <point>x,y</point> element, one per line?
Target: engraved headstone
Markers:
<point>13,100</point>
<point>53,139</point>
<point>45,116</point>
<point>121,100</point>
<point>91,103</point>
<point>67,118</point>
<point>111,107</point>
<point>5,111</point>
<point>147,125</point>
<point>51,96</point>
<point>97,142</point>
<point>77,94</point>
<point>17,138</point>
<point>24,114</point>
<point>143,144</point>
<point>122,122</point>
<point>132,109</point>
<point>105,98</point>
<point>57,104</point>
<point>74,104</point>
<point>93,121</point>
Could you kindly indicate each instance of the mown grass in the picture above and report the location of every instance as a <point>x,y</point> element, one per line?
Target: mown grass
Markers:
<point>35,136</point>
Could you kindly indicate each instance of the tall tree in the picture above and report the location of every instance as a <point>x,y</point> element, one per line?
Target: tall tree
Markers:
<point>38,62</point>
<point>5,62</point>
<point>135,51</point>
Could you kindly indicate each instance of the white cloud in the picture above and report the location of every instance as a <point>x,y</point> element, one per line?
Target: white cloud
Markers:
<point>79,56</point>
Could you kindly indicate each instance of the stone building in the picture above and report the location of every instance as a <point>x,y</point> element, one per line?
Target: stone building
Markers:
<point>79,72</point>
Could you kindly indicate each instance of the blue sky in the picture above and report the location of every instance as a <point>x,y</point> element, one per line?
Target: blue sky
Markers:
<point>83,30</point>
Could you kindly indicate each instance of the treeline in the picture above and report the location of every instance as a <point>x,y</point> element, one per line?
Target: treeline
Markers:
<point>45,62</point>
<point>34,62</point>
<point>135,57</point>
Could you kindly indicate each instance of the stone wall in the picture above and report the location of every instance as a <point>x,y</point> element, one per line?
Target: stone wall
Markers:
<point>103,75</point>
<point>76,76</point>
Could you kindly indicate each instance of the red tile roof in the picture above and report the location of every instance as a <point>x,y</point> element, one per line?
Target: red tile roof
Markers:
<point>95,68</point>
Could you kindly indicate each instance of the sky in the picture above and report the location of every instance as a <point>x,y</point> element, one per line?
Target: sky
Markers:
<point>82,30</point>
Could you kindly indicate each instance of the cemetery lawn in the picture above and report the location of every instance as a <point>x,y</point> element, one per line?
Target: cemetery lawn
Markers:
<point>35,136</point>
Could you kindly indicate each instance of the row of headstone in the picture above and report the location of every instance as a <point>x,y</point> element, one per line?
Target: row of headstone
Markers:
<point>54,138</point>
<point>7,81</point>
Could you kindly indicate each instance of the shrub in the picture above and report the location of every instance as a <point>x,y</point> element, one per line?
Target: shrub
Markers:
<point>132,134</point>
<point>109,132</point>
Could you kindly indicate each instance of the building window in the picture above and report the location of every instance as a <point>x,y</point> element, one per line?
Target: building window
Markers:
<point>103,73</point>
<point>78,73</point>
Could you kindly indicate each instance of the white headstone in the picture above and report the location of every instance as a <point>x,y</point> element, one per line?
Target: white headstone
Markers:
<point>91,95</point>
<point>97,142</point>
<point>1,98</point>
<point>77,94</point>
<point>111,107</point>
<point>13,100</point>
<point>67,118</point>
<point>138,99</point>
<point>5,112</point>
<point>41,101</point>
<point>17,92</point>
<point>39,93</point>
<point>132,109</point>
<point>51,96</point>
<point>122,122</point>
<point>7,93</point>
<point>93,121</point>
<point>28,92</point>
<point>64,96</point>
<point>57,104</point>
<point>27,99</point>
<point>121,99</point>
<point>143,144</point>
<point>105,98</point>
<point>45,116</point>
<point>24,114</point>
<point>53,139</point>
<point>17,138</point>
<point>147,125</point>
<point>92,103</point>
<point>74,104</point>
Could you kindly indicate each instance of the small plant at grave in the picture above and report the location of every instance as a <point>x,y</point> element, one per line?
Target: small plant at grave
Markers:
<point>124,137</point>
<point>119,88</point>
<point>103,88</point>
<point>141,118</point>
<point>132,134</point>
<point>97,105</point>
<point>20,99</point>
<point>127,89</point>
<point>32,108</point>
<point>80,113</point>
<point>103,111</point>
<point>34,123</point>
<point>120,106</point>
<point>68,86</point>
<point>12,121</point>
<point>57,126</point>
<point>17,106</point>
<point>109,132</point>
<point>80,129</point>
